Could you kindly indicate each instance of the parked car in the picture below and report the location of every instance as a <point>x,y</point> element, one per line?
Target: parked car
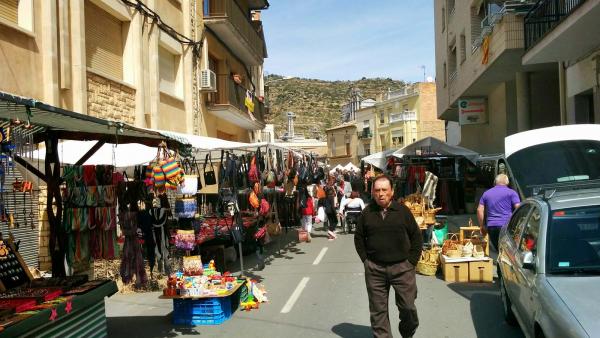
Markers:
<point>549,255</point>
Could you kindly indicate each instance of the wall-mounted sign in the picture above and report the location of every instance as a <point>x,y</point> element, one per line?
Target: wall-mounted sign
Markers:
<point>472,111</point>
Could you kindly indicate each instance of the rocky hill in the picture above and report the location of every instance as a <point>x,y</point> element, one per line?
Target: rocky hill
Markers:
<point>317,103</point>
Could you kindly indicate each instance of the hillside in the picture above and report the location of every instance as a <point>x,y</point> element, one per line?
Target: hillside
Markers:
<point>317,103</point>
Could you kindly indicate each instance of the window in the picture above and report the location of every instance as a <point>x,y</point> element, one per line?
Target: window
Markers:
<point>367,147</point>
<point>405,107</point>
<point>451,7</point>
<point>443,19</point>
<point>518,221</point>
<point>397,138</point>
<point>332,145</point>
<point>382,117</point>
<point>170,78</point>
<point>463,48</point>
<point>573,236</point>
<point>452,62</point>
<point>445,75</point>
<point>347,141</point>
<point>9,10</point>
<point>103,42</point>
<point>529,238</point>
<point>17,13</point>
<point>366,124</point>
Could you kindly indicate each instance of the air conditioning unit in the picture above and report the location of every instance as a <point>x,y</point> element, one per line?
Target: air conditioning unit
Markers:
<point>208,81</point>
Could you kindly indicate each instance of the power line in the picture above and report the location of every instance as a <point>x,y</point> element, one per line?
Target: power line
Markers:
<point>143,9</point>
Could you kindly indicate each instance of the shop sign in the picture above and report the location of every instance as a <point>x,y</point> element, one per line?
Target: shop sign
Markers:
<point>472,111</point>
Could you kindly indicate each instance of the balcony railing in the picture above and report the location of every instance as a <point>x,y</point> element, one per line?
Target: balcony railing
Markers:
<point>405,91</point>
<point>545,16</point>
<point>230,93</point>
<point>215,10</point>
<point>365,133</point>
<point>403,116</point>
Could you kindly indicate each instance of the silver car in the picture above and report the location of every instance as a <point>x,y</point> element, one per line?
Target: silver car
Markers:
<point>549,253</point>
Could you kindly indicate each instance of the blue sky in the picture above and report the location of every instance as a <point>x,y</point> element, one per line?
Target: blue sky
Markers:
<point>349,39</point>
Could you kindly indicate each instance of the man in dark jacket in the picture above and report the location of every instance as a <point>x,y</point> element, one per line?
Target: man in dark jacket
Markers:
<point>389,242</point>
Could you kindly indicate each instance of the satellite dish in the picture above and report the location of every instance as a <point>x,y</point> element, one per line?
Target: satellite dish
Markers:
<point>429,79</point>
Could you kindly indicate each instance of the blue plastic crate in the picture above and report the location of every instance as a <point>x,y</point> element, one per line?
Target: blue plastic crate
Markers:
<point>206,311</point>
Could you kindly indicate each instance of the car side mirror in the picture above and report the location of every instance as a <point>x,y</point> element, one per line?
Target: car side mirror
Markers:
<point>528,260</point>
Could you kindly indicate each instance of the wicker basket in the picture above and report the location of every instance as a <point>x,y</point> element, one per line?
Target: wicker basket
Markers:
<point>478,251</point>
<point>451,242</point>
<point>429,262</point>
<point>467,249</point>
<point>454,253</point>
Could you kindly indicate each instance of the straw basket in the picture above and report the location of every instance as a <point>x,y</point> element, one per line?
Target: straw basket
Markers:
<point>467,249</point>
<point>429,262</point>
<point>452,246</point>
<point>478,251</point>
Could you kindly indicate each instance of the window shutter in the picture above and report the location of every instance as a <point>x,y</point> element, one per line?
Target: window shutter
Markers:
<point>103,41</point>
<point>167,70</point>
<point>9,10</point>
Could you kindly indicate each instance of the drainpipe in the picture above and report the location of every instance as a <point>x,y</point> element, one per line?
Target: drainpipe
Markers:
<point>562,90</point>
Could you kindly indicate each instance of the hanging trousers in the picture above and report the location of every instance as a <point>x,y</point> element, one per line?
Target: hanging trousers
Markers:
<point>401,277</point>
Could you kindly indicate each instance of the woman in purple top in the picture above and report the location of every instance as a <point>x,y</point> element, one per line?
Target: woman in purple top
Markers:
<point>497,204</point>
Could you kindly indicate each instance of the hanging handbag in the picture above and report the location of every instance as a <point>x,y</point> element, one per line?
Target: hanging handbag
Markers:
<point>196,171</point>
<point>189,186</point>
<point>260,233</point>
<point>185,207</point>
<point>253,200</point>
<point>264,207</point>
<point>209,176</point>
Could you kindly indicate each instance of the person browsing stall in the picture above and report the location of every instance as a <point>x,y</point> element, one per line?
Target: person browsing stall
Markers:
<point>495,208</point>
<point>388,242</point>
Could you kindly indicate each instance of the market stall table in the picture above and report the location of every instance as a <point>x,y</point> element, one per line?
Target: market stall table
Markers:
<point>205,309</point>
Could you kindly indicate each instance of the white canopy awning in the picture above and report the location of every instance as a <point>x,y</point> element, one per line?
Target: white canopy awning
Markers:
<point>125,155</point>
<point>379,159</point>
<point>351,167</point>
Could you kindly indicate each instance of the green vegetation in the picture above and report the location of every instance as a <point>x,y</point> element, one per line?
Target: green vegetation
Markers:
<point>317,103</point>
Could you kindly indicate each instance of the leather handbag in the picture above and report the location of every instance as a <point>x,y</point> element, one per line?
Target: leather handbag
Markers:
<point>209,176</point>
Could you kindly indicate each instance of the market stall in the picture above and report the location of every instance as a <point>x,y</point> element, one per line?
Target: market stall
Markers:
<point>431,159</point>
<point>81,211</point>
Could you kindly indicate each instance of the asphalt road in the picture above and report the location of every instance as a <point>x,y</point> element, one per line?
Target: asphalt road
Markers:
<point>317,290</point>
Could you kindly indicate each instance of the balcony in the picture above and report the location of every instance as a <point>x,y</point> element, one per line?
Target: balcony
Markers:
<point>505,50</point>
<point>231,25</point>
<point>365,134</point>
<point>561,30</point>
<point>403,116</point>
<point>228,103</point>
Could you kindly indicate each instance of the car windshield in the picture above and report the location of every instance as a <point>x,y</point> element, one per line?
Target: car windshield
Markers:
<point>574,240</point>
<point>555,162</point>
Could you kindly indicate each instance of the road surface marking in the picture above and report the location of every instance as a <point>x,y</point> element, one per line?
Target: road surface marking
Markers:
<point>320,256</point>
<point>295,295</point>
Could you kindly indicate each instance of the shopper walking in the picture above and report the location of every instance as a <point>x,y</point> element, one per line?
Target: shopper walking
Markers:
<point>307,216</point>
<point>388,241</point>
<point>495,208</point>
<point>331,205</point>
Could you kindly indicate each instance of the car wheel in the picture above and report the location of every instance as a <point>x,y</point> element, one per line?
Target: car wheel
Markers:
<point>509,316</point>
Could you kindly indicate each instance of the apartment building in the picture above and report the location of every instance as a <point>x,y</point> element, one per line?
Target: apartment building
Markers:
<point>342,144</point>
<point>567,33</point>
<point>189,66</point>
<point>482,84</point>
<point>399,118</point>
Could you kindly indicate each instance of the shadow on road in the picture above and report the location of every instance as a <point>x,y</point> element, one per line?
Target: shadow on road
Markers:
<point>486,310</point>
<point>348,330</point>
<point>148,327</point>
